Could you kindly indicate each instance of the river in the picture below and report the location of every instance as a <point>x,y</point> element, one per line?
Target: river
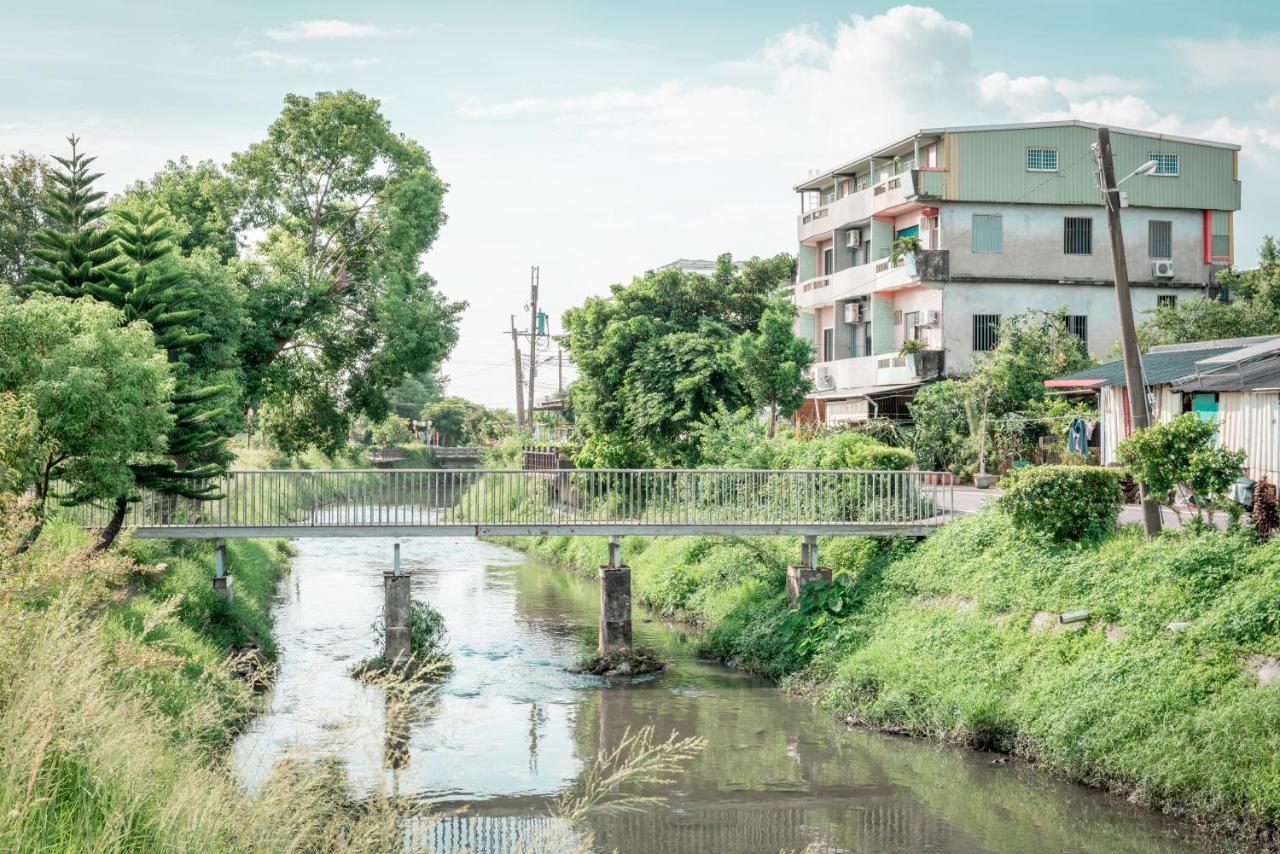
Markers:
<point>510,728</point>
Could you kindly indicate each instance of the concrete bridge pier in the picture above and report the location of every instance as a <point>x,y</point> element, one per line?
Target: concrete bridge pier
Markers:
<point>221,577</point>
<point>396,611</point>
<point>807,571</point>
<point>615,601</point>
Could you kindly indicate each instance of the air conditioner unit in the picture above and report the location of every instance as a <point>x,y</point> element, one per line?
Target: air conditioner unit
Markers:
<point>1162,269</point>
<point>825,380</point>
<point>931,318</point>
<point>853,239</point>
<point>853,312</point>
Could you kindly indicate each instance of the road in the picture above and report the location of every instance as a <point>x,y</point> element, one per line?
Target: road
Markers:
<point>970,499</point>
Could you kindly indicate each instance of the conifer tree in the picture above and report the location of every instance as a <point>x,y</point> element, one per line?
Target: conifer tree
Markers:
<point>75,248</point>
<point>148,284</point>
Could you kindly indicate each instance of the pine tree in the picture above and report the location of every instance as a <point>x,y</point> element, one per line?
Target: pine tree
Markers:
<point>148,285</point>
<point>75,249</point>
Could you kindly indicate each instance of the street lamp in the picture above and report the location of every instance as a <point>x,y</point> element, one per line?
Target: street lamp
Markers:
<point>1135,385</point>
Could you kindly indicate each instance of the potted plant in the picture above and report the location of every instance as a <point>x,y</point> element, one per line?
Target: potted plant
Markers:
<point>908,350</point>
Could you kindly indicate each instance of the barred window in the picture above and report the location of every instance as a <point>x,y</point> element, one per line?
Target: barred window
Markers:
<point>1166,164</point>
<point>1042,160</point>
<point>1078,325</point>
<point>1160,238</point>
<point>1077,235</point>
<point>1167,300</point>
<point>986,332</point>
<point>987,233</point>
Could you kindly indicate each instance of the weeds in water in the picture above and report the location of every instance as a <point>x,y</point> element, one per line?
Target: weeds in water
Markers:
<point>428,660</point>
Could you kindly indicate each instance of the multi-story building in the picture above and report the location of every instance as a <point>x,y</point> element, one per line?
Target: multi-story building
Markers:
<point>1009,218</point>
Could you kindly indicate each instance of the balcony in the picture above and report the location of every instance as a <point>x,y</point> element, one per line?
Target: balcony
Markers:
<point>890,197</point>
<point>923,265</point>
<point>861,374</point>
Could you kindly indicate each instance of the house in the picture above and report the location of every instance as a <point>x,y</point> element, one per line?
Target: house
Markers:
<point>1234,381</point>
<point>1007,218</point>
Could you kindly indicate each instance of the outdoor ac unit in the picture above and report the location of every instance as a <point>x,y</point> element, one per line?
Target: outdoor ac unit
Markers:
<point>1162,269</point>
<point>853,239</point>
<point>931,318</point>
<point>853,312</point>
<point>825,380</point>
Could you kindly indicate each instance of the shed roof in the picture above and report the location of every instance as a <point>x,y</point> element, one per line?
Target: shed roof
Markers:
<point>1253,376</point>
<point>1159,367</point>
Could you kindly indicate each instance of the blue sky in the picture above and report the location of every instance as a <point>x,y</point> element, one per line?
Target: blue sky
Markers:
<point>600,139</point>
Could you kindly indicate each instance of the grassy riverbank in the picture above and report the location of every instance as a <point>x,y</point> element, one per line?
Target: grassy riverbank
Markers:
<point>957,639</point>
<point>123,680</point>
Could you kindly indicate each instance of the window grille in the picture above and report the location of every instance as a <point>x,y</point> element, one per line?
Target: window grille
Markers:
<point>1042,160</point>
<point>1077,235</point>
<point>1078,325</point>
<point>1167,300</point>
<point>1166,164</point>
<point>1160,238</point>
<point>986,332</point>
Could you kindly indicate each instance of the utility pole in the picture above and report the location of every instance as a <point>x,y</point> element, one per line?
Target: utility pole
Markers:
<point>560,374</point>
<point>1135,385</point>
<point>533,338</point>
<point>515,346</point>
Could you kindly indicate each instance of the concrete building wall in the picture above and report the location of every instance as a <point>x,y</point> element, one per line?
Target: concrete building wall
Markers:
<point>919,299</point>
<point>962,300</point>
<point>1033,243</point>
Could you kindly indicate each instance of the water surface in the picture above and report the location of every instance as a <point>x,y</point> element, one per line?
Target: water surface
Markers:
<point>510,728</point>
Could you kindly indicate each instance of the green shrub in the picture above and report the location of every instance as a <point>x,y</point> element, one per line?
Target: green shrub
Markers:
<point>1066,502</point>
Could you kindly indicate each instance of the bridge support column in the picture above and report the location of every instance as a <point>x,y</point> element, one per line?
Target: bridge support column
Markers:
<point>221,577</point>
<point>807,571</point>
<point>615,601</point>
<point>396,611</point>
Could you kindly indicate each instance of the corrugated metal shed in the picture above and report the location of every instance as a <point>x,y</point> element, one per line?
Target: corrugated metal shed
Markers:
<point>1158,367</point>
<point>1262,374</point>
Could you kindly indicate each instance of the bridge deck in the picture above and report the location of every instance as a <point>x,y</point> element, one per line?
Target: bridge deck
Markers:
<point>578,502</point>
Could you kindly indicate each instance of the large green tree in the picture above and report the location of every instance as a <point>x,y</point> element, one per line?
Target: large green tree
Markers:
<point>339,310</point>
<point>1253,307</point>
<point>657,357</point>
<point>98,389</point>
<point>149,285</point>
<point>203,201</point>
<point>22,178</point>
<point>775,362</point>
<point>75,247</point>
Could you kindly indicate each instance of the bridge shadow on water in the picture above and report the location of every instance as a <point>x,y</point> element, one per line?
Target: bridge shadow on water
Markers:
<point>492,745</point>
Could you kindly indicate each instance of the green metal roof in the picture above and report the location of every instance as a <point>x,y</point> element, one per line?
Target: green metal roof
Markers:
<point>1158,367</point>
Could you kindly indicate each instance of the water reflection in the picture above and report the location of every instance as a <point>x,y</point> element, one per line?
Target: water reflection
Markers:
<point>509,729</point>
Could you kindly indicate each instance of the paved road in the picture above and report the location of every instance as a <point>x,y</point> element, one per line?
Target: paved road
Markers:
<point>970,499</point>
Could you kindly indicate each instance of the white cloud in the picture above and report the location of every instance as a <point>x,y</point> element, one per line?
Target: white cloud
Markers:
<point>1235,61</point>
<point>1098,84</point>
<point>276,59</point>
<point>329,28</point>
<point>1270,105</point>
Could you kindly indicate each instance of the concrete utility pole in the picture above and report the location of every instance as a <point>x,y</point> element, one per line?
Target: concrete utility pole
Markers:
<point>1135,385</point>
<point>515,346</point>
<point>533,337</point>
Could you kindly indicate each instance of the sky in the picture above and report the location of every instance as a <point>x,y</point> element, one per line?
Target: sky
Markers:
<point>597,140</point>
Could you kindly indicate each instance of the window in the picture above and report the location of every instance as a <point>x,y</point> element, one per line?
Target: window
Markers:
<point>828,261</point>
<point>931,233</point>
<point>1078,325</point>
<point>1166,300</point>
<point>911,326</point>
<point>986,332</point>
<point>828,344</point>
<point>1042,160</point>
<point>1166,164</point>
<point>987,233</point>
<point>1160,238</point>
<point>897,318</point>
<point>1077,235</point>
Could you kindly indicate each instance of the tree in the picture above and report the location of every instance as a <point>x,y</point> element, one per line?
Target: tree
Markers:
<point>656,358</point>
<point>953,419</point>
<point>416,391</point>
<point>99,391</point>
<point>447,417</point>
<point>203,201</point>
<point>775,362</point>
<point>1182,453</point>
<point>74,248</point>
<point>1254,308</point>
<point>148,286</point>
<point>338,309</point>
<point>22,178</point>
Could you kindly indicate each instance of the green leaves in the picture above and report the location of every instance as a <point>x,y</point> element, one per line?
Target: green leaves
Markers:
<point>667,351</point>
<point>1182,452</point>
<point>1063,502</point>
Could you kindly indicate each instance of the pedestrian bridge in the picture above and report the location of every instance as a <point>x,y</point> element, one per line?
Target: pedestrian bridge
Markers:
<point>575,502</point>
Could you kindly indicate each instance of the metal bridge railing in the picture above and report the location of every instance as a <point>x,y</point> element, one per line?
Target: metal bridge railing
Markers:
<point>572,500</point>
